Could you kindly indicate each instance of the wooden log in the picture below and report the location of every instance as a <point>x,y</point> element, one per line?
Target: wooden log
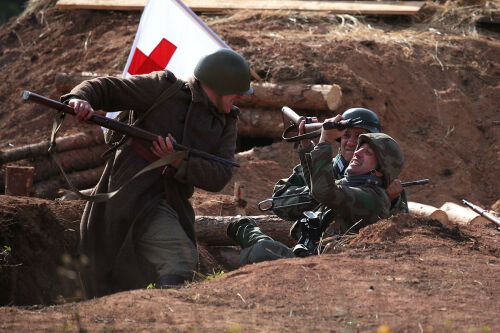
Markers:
<point>19,180</point>
<point>211,230</point>
<point>260,123</point>
<point>80,179</point>
<point>62,143</point>
<point>322,97</point>
<point>64,82</point>
<point>71,160</point>
<point>422,210</point>
<point>338,7</point>
<point>462,215</point>
<point>297,96</point>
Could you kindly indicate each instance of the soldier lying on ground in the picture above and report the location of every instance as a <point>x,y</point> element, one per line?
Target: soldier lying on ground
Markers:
<point>347,204</point>
<point>296,183</point>
<point>146,233</point>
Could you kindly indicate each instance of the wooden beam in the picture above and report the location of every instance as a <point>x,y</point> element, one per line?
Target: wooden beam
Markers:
<point>339,7</point>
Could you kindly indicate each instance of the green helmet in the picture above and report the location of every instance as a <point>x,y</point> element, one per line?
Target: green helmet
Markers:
<point>225,72</point>
<point>370,121</point>
<point>389,156</point>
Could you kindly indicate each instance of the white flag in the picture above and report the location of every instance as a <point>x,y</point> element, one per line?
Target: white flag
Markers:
<point>170,36</point>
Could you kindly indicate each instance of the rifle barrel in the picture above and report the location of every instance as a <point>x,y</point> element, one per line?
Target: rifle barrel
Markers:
<point>119,126</point>
<point>482,212</point>
<point>415,182</point>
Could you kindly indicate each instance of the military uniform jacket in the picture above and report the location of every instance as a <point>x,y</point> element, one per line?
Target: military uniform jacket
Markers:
<point>353,206</point>
<point>108,230</point>
<point>296,184</point>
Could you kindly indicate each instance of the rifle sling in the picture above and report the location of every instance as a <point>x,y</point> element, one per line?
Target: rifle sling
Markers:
<point>310,135</point>
<point>169,92</point>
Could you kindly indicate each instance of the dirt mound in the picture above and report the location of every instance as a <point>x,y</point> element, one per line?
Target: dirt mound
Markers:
<point>419,276</point>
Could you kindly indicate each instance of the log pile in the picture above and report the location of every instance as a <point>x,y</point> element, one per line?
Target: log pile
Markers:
<point>260,115</point>
<point>80,156</point>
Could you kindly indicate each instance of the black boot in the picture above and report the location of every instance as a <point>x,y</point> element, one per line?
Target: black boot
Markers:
<point>245,232</point>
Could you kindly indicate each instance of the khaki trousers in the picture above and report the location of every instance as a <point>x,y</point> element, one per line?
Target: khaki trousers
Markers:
<point>167,246</point>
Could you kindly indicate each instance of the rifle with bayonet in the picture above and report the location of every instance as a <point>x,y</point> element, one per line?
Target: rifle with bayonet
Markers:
<point>482,212</point>
<point>269,203</point>
<point>120,127</point>
<point>291,121</point>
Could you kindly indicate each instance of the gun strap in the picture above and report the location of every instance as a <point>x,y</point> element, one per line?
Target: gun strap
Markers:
<point>310,135</point>
<point>101,197</point>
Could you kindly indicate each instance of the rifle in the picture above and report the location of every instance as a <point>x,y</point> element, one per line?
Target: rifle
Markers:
<point>307,194</point>
<point>482,212</point>
<point>120,127</point>
<point>291,121</point>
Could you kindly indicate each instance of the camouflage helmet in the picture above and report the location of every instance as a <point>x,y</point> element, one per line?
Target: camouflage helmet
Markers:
<point>370,121</point>
<point>389,156</point>
<point>225,72</point>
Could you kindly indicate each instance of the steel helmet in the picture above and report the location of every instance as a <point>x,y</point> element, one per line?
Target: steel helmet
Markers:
<point>370,121</point>
<point>225,71</point>
<point>389,156</point>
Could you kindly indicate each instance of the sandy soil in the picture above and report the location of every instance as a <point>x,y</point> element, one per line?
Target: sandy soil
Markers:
<point>433,79</point>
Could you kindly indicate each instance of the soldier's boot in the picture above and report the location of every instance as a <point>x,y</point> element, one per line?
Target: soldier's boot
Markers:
<point>168,281</point>
<point>256,245</point>
<point>245,232</point>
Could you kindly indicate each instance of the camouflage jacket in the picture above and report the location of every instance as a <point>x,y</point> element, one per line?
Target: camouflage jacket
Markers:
<point>296,184</point>
<point>352,206</point>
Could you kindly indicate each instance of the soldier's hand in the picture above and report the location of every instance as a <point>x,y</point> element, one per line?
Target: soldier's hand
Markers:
<point>394,189</point>
<point>164,147</point>
<point>82,108</point>
<point>307,142</point>
<point>333,134</point>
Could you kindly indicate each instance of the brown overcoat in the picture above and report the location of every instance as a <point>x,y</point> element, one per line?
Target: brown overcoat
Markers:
<point>108,230</point>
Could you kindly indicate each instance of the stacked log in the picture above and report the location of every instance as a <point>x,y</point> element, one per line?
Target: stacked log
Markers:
<point>80,156</point>
<point>422,210</point>
<point>80,179</point>
<point>319,97</point>
<point>462,215</point>
<point>41,148</point>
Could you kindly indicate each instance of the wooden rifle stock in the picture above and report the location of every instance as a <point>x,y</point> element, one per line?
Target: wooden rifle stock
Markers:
<point>120,127</point>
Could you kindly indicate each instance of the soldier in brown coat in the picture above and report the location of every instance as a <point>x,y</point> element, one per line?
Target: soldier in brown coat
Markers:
<point>145,234</point>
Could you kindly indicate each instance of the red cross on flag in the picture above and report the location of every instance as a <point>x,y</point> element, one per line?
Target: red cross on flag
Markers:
<point>170,36</point>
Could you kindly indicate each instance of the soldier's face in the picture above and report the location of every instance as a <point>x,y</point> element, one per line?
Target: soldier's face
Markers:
<point>349,141</point>
<point>363,161</point>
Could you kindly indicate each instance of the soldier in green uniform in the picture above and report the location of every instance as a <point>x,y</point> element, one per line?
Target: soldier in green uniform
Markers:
<point>146,233</point>
<point>348,204</point>
<point>295,184</point>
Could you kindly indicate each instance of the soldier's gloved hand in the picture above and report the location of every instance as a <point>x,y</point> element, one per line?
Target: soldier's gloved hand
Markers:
<point>333,134</point>
<point>82,108</point>
<point>164,147</point>
<point>394,189</point>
